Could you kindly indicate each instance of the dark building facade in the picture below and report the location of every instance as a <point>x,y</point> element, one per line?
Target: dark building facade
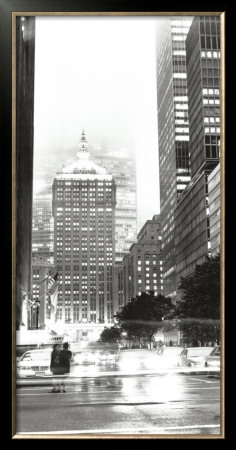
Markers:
<point>173,133</point>
<point>214,209</point>
<point>203,80</point>
<point>192,230</point>
<point>23,162</point>
<point>142,266</point>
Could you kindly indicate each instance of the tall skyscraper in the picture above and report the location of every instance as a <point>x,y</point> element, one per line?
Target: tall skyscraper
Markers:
<point>173,131</point>
<point>84,198</point>
<point>121,163</point>
<point>43,228</point>
<point>192,219</point>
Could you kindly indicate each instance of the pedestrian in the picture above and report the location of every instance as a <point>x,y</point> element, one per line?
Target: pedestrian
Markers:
<point>160,348</point>
<point>65,357</point>
<point>55,368</point>
<point>183,356</point>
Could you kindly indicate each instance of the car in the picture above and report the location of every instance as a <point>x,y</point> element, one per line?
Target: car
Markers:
<point>107,356</point>
<point>84,357</point>
<point>195,357</point>
<point>213,359</point>
<point>34,363</point>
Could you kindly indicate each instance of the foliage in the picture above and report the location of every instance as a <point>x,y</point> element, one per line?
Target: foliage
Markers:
<point>198,310</point>
<point>111,334</point>
<point>143,316</point>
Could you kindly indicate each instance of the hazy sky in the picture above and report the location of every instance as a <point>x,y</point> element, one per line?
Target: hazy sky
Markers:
<point>99,74</point>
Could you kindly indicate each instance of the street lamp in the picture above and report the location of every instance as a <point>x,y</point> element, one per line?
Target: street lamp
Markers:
<point>37,304</point>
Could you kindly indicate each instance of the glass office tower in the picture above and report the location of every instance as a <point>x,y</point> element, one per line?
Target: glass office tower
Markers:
<point>173,131</point>
<point>192,215</point>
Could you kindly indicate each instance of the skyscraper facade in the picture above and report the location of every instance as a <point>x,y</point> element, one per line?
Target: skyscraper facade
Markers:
<point>192,218</point>
<point>173,133</point>
<point>142,266</point>
<point>214,209</point>
<point>121,163</point>
<point>43,228</point>
<point>84,198</point>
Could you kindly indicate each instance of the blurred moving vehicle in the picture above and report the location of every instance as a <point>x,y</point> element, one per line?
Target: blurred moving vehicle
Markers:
<point>34,363</point>
<point>104,352</point>
<point>84,357</point>
<point>107,356</point>
<point>195,357</point>
<point>213,359</point>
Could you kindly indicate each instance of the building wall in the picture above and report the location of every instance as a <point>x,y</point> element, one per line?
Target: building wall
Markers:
<point>214,209</point>
<point>203,79</point>
<point>25,51</point>
<point>173,133</point>
<point>43,228</point>
<point>121,164</point>
<point>84,242</point>
<point>192,230</point>
<point>142,267</point>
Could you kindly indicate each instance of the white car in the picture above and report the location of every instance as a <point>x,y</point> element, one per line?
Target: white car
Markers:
<point>34,363</point>
<point>195,357</point>
<point>213,359</point>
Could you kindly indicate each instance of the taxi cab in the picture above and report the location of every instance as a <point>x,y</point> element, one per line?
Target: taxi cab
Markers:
<point>34,363</point>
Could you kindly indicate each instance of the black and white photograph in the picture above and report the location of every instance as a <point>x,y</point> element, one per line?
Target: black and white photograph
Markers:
<point>118,245</point>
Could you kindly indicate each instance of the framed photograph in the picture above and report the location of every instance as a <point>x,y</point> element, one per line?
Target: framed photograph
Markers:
<point>117,125</point>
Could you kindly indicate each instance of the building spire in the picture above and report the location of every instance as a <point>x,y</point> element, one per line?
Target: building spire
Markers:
<point>83,147</point>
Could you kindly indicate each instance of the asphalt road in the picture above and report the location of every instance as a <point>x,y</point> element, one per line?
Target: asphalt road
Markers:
<point>114,404</point>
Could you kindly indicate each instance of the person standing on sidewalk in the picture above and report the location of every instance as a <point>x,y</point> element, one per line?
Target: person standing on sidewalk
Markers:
<point>55,367</point>
<point>65,357</point>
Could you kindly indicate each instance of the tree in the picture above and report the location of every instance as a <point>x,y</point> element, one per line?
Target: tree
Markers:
<point>143,316</point>
<point>111,334</point>
<point>198,310</point>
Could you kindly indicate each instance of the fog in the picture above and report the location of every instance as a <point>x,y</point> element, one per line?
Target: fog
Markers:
<point>98,74</point>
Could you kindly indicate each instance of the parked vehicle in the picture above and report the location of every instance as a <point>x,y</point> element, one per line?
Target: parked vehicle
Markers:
<point>34,363</point>
<point>195,356</point>
<point>213,359</point>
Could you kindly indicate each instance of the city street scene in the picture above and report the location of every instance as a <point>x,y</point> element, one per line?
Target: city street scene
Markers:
<point>118,299</point>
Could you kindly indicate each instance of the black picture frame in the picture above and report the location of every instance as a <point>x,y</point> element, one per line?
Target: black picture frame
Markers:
<point>10,6</point>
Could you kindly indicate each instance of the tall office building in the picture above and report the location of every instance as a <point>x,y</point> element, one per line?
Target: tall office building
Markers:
<point>42,257</point>
<point>142,266</point>
<point>173,131</point>
<point>121,163</point>
<point>84,198</point>
<point>192,219</point>
<point>43,228</point>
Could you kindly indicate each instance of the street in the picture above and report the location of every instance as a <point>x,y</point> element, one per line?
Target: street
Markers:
<point>114,403</point>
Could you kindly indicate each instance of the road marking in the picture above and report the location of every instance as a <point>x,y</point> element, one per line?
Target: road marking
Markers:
<point>199,379</point>
<point>155,430</point>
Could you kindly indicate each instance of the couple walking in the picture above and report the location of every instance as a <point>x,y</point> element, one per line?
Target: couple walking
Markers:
<point>60,366</point>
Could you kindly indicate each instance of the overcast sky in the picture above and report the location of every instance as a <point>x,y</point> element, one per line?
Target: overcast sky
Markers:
<point>99,74</point>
